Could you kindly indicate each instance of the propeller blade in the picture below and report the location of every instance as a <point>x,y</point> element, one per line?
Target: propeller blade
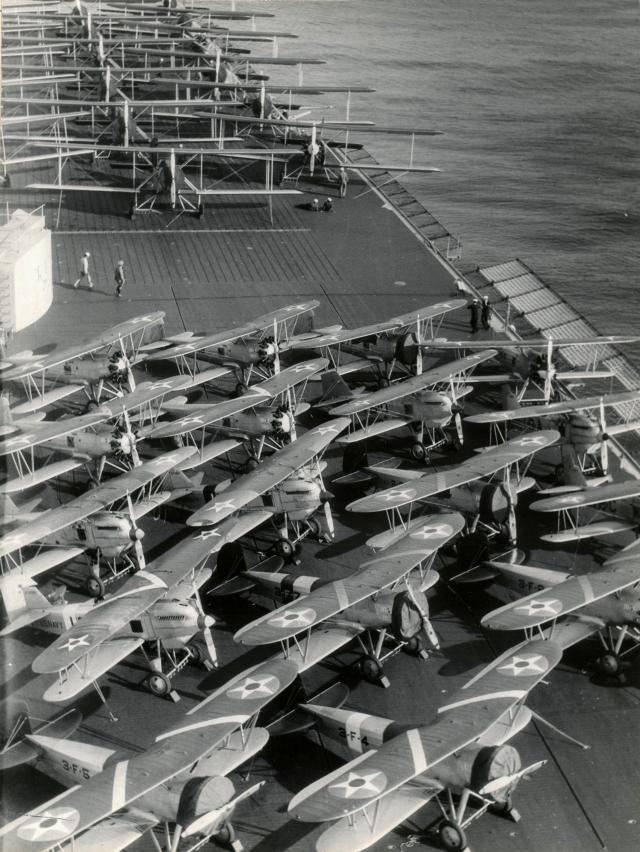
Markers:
<point>457,419</point>
<point>426,623</point>
<point>139,534</point>
<point>604,447</point>
<point>548,379</point>
<point>419,342</point>
<point>135,457</point>
<point>328,514</point>
<point>211,648</point>
<point>497,784</point>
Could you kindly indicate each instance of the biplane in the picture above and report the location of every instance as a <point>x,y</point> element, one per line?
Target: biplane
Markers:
<point>122,797</point>
<point>288,484</point>
<point>570,608</point>
<point>383,600</point>
<point>491,504</point>
<point>399,768</point>
<point>533,362</point>
<point>87,522</point>
<point>418,404</point>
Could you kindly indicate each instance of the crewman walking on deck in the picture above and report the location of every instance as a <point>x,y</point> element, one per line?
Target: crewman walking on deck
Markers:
<point>84,271</point>
<point>474,307</point>
<point>485,313</point>
<point>119,278</point>
<point>343,183</point>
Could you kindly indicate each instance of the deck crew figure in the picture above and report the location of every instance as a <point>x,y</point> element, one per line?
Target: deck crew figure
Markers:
<point>474,307</point>
<point>84,271</point>
<point>485,313</point>
<point>343,183</point>
<point>315,206</point>
<point>327,207</point>
<point>119,278</point>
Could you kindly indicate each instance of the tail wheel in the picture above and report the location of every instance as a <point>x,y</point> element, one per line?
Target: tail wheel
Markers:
<point>95,587</point>
<point>159,684</point>
<point>452,837</point>
<point>370,669</point>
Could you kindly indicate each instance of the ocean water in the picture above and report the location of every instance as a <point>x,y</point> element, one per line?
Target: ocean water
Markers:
<point>540,106</point>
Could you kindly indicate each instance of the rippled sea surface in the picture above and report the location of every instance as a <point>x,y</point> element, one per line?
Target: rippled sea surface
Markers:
<point>540,104</point>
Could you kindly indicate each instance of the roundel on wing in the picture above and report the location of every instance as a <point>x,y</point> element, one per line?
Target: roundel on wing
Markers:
<point>296,617</point>
<point>262,686</point>
<point>428,531</point>
<point>360,785</point>
<point>525,664</point>
<point>51,825</point>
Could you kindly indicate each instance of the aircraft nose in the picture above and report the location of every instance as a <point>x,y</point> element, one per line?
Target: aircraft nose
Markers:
<point>136,534</point>
<point>205,621</point>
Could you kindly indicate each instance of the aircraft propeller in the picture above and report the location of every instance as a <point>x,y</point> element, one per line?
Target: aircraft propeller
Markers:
<point>136,536</point>
<point>496,785</point>
<point>424,616</point>
<point>456,410</point>
<point>205,623</point>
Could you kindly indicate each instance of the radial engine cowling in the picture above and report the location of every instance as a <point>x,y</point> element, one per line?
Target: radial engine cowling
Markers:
<point>475,766</point>
<point>407,613</point>
<point>281,422</point>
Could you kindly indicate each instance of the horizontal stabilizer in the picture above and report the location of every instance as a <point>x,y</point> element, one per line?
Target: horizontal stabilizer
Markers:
<point>299,719</point>
<point>238,748</point>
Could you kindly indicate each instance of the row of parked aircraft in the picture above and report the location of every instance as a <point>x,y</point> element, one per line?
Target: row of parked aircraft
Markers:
<point>237,431</point>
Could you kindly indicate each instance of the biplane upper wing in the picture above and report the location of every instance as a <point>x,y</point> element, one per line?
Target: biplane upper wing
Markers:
<point>271,472</point>
<point>399,390</point>
<point>469,714</point>
<point>554,408</point>
<point>563,598</point>
<point>92,501</point>
<point>486,463</point>
<point>262,323</point>
<point>374,575</point>
<point>30,434</point>
<point>589,496</point>
<point>123,331</point>
<point>429,312</point>
<point>174,751</point>
<point>536,342</point>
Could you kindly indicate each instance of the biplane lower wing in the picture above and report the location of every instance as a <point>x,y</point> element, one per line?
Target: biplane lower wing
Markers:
<point>589,496</point>
<point>592,530</point>
<point>70,187</point>
<point>554,408</point>
<point>175,750</point>
<point>38,476</point>
<point>358,832</point>
<point>116,832</point>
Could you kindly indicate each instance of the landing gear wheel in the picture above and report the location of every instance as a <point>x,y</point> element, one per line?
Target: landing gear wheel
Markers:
<point>383,382</point>
<point>314,527</point>
<point>131,211</point>
<point>159,684</point>
<point>195,651</point>
<point>226,835</point>
<point>416,645</point>
<point>95,587</point>
<point>452,837</point>
<point>285,548</point>
<point>91,406</point>
<point>370,669</point>
<point>251,464</point>
<point>608,664</point>
<point>418,452</point>
<point>200,211</point>
<point>241,389</point>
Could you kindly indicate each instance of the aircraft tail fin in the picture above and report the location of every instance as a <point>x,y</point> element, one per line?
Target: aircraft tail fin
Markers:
<point>573,474</point>
<point>20,751</point>
<point>334,388</point>
<point>510,401</point>
<point>302,717</point>
<point>6,418</point>
<point>24,603</point>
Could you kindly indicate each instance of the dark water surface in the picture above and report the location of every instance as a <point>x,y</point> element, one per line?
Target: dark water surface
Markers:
<point>540,105</point>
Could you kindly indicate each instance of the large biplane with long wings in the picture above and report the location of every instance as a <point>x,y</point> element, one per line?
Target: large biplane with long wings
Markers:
<point>384,600</point>
<point>397,771</point>
<point>179,780</point>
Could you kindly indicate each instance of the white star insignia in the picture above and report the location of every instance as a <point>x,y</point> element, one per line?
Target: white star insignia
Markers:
<point>572,499</point>
<point>538,606</point>
<point>293,618</point>
<point>302,368</point>
<point>255,687</point>
<point>208,534</point>
<point>359,786</point>
<point>161,461</point>
<point>188,420</point>
<point>159,385</point>
<point>228,504</point>
<point>396,495</point>
<point>51,825</point>
<point>325,430</point>
<point>22,439</point>
<point>533,440</point>
<point>525,664</point>
<point>432,532</point>
<point>74,642</point>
